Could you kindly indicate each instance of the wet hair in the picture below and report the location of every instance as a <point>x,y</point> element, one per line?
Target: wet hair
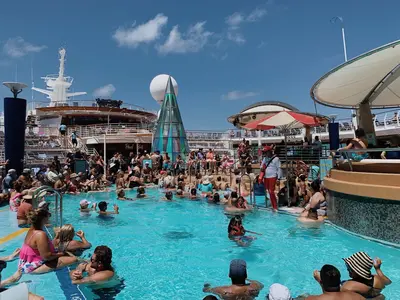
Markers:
<point>66,233</point>
<point>193,192</point>
<point>315,186</point>
<point>233,221</point>
<point>360,133</point>
<point>234,194</point>
<point>210,297</point>
<point>36,218</point>
<point>120,193</point>
<point>330,278</point>
<point>141,190</point>
<point>102,206</point>
<point>168,195</point>
<point>216,198</point>
<point>104,256</point>
<point>17,185</point>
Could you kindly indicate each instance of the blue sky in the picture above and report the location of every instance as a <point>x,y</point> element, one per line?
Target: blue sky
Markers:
<point>225,54</point>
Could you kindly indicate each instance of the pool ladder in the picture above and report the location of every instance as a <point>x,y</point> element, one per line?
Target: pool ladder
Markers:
<point>41,192</point>
<point>252,196</point>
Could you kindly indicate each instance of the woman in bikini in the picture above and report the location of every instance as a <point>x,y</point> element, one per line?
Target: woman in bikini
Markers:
<point>16,196</point>
<point>37,254</point>
<point>362,281</point>
<point>64,240</point>
<point>310,213</point>
<point>359,142</point>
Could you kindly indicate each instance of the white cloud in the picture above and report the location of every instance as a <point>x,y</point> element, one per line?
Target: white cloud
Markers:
<point>105,91</point>
<point>235,95</point>
<point>18,47</point>
<point>236,37</point>
<point>256,15</point>
<point>193,40</point>
<point>144,33</point>
<point>234,20</point>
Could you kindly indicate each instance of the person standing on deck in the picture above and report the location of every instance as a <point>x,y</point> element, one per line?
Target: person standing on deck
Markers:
<point>271,166</point>
<point>74,139</point>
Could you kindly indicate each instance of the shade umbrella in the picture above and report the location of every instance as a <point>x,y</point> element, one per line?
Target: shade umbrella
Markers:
<point>285,121</point>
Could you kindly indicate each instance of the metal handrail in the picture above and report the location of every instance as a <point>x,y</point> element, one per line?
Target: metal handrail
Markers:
<point>58,202</point>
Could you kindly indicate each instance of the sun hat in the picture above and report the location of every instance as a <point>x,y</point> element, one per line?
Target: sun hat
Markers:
<point>206,180</point>
<point>361,264</point>
<point>84,202</point>
<point>26,171</point>
<point>44,205</point>
<point>279,292</point>
<point>11,171</point>
<point>73,175</point>
<point>237,269</point>
<point>27,197</point>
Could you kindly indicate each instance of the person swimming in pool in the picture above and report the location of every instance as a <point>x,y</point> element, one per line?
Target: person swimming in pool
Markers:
<point>214,198</point>
<point>240,289</point>
<point>236,232</point>
<point>121,195</point>
<point>103,209</point>
<point>179,194</point>
<point>141,192</point>
<point>84,206</point>
<point>168,196</point>
<point>98,270</point>
<point>64,240</point>
<point>193,194</point>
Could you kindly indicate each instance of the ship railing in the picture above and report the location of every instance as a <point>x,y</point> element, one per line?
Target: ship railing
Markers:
<point>85,131</point>
<point>83,103</point>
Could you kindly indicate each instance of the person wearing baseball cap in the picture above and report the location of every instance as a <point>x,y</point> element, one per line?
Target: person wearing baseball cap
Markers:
<point>329,279</point>
<point>362,280</point>
<point>84,206</point>
<point>240,289</point>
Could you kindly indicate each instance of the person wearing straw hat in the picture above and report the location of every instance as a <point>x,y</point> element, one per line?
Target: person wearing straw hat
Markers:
<point>329,279</point>
<point>362,281</point>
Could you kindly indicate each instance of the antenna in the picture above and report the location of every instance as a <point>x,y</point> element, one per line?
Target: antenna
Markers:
<point>16,72</point>
<point>62,63</point>
<point>33,82</point>
<point>15,87</point>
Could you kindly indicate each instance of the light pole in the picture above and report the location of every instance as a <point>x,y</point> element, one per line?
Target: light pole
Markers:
<point>340,19</point>
<point>333,21</point>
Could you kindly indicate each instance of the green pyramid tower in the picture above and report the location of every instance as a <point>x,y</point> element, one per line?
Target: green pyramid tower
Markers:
<point>170,135</point>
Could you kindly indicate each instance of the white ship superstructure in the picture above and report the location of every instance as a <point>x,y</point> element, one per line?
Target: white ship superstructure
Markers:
<point>58,85</point>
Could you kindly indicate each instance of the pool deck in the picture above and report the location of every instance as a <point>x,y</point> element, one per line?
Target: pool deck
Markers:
<point>12,237</point>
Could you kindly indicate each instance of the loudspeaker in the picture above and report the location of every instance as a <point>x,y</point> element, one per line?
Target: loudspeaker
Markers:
<point>14,136</point>
<point>334,140</point>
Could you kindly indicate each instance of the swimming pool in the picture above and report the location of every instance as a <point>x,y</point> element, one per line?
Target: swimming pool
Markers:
<point>168,250</point>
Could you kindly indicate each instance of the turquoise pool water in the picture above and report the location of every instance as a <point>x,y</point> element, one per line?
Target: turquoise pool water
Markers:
<point>165,250</point>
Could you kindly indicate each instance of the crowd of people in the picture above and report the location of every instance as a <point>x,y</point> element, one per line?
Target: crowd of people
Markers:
<point>362,284</point>
<point>40,254</point>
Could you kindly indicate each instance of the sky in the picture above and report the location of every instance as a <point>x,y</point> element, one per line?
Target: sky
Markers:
<point>224,54</point>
